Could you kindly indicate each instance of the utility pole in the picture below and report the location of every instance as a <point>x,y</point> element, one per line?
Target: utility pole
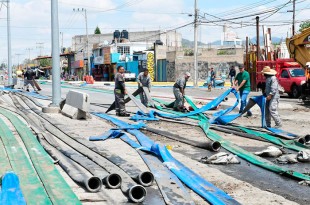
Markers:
<point>87,38</point>
<point>195,46</point>
<point>40,46</point>
<point>257,39</point>
<point>10,80</point>
<point>293,26</point>
<point>56,90</point>
<point>29,50</point>
<point>18,54</point>
<point>62,41</point>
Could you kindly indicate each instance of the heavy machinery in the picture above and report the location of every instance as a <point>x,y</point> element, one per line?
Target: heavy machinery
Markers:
<point>299,49</point>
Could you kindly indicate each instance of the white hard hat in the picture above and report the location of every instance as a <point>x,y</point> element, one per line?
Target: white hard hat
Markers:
<point>308,64</point>
<point>188,74</point>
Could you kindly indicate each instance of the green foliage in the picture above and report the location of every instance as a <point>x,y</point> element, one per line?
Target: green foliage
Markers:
<point>3,65</point>
<point>97,30</point>
<point>188,52</point>
<point>304,25</point>
<point>45,62</point>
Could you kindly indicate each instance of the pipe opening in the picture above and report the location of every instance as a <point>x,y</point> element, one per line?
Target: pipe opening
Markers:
<point>113,181</point>
<point>307,138</point>
<point>302,140</point>
<point>146,178</point>
<point>94,184</point>
<point>137,193</point>
<point>216,146</point>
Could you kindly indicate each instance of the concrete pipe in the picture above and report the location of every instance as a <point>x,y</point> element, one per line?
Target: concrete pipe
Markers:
<point>145,179</point>
<point>301,140</point>
<point>112,181</point>
<point>136,193</point>
<point>90,183</point>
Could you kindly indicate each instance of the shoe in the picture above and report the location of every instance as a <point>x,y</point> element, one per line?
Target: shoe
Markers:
<point>27,90</point>
<point>247,115</point>
<point>124,115</point>
<point>278,126</point>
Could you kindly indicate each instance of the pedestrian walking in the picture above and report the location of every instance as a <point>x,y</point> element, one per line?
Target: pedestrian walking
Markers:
<point>212,77</point>
<point>179,92</point>
<point>144,80</point>
<point>28,79</point>
<point>120,92</point>
<point>243,85</point>
<point>232,75</point>
<point>272,97</point>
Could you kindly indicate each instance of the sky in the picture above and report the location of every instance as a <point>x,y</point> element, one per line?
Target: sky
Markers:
<point>31,20</point>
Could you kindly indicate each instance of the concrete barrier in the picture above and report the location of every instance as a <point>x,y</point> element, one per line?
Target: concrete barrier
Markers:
<point>76,105</point>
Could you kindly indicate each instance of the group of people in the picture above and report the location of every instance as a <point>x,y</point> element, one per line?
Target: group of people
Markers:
<point>241,82</point>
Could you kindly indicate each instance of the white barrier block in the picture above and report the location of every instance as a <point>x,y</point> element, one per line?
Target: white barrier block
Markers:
<point>70,111</point>
<point>78,100</point>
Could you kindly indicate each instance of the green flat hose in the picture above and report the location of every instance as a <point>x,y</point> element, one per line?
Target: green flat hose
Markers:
<point>30,183</point>
<point>248,156</point>
<point>4,161</point>
<point>55,185</point>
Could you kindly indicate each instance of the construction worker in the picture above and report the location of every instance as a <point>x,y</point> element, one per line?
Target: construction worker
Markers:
<point>179,92</point>
<point>120,92</point>
<point>144,80</point>
<point>28,79</point>
<point>243,85</point>
<point>272,97</point>
<point>212,74</point>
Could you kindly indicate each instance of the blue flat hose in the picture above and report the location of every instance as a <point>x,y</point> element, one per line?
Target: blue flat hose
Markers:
<point>202,187</point>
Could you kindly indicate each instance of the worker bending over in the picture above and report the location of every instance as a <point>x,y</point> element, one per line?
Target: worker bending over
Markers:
<point>179,92</point>
<point>144,80</point>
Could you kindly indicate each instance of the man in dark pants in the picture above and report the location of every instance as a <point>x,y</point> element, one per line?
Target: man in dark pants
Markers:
<point>232,75</point>
<point>144,80</point>
<point>28,79</point>
<point>212,77</point>
<point>120,92</point>
<point>179,92</point>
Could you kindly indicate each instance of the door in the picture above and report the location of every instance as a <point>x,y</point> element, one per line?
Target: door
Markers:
<point>284,80</point>
<point>161,71</point>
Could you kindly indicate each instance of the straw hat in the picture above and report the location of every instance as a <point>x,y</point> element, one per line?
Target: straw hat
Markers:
<point>267,70</point>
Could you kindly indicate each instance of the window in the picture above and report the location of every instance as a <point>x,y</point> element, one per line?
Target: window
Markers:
<point>297,72</point>
<point>284,74</point>
<point>123,50</point>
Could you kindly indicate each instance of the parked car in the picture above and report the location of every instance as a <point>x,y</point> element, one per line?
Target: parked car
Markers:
<point>289,74</point>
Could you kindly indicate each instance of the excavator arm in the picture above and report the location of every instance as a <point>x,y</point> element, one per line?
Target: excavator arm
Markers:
<point>297,47</point>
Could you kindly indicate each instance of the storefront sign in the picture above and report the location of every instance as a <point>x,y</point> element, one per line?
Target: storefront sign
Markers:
<point>77,64</point>
<point>98,60</point>
<point>106,55</point>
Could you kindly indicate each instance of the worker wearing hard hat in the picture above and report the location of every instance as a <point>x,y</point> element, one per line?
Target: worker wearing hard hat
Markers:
<point>179,92</point>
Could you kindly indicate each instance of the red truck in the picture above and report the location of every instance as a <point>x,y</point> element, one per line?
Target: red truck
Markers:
<point>289,74</point>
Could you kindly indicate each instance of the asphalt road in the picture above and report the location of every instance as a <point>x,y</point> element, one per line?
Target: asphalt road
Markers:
<point>245,171</point>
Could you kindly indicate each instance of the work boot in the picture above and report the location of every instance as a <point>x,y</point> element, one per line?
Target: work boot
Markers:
<point>278,126</point>
<point>124,114</point>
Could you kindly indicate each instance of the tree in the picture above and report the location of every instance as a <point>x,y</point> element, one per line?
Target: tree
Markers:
<point>45,62</point>
<point>97,30</point>
<point>304,25</point>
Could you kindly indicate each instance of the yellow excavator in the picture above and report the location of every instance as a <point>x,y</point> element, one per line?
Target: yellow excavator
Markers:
<point>299,49</point>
